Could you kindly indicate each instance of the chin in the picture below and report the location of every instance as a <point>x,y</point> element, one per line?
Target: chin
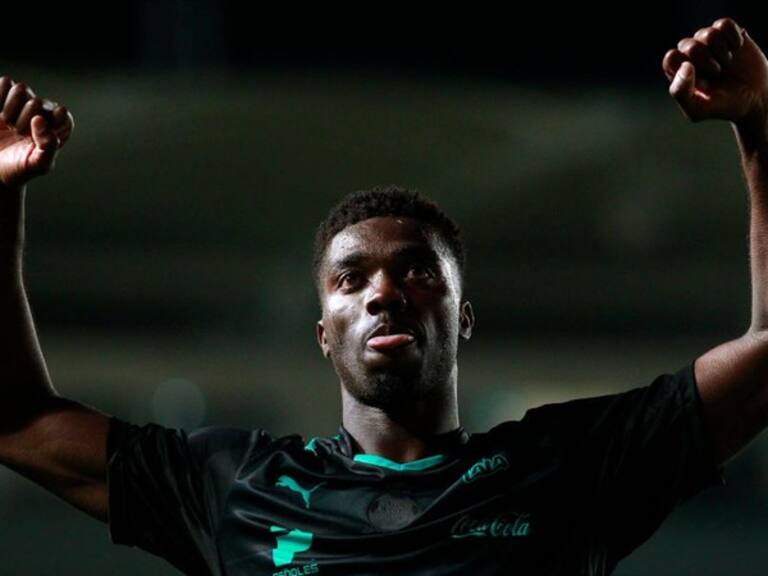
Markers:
<point>389,389</point>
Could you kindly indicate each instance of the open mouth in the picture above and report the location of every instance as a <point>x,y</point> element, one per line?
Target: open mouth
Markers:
<point>390,341</point>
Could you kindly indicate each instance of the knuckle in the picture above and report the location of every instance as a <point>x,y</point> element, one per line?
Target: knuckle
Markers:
<point>730,30</point>
<point>670,55</point>
<point>705,34</point>
<point>723,22</point>
<point>684,44</point>
<point>676,58</point>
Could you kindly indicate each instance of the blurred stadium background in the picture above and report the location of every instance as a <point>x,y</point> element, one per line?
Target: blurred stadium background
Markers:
<point>168,254</point>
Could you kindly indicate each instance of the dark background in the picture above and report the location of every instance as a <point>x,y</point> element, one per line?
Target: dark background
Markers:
<point>167,258</point>
<point>544,43</point>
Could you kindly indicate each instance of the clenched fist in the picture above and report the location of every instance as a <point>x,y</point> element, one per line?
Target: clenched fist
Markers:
<point>719,73</point>
<point>32,130</point>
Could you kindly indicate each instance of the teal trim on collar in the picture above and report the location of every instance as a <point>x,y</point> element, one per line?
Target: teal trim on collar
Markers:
<point>311,445</point>
<point>421,464</point>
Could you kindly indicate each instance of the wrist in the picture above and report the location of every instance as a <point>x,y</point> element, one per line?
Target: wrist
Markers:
<point>752,133</point>
<point>11,218</point>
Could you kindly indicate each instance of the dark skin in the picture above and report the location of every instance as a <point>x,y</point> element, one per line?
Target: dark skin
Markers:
<point>396,399</point>
<point>721,73</point>
<point>396,272</point>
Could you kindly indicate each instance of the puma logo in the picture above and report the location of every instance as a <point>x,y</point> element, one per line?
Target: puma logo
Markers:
<point>291,484</point>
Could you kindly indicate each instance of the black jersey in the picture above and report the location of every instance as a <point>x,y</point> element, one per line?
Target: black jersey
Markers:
<point>571,488</point>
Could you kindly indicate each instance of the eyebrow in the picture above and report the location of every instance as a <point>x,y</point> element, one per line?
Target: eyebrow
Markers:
<point>413,251</point>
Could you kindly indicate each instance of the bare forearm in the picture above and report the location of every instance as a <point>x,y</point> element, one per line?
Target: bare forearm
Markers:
<point>752,138</point>
<point>11,232</point>
<point>24,381</point>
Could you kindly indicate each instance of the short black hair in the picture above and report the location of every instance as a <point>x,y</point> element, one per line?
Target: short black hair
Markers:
<point>386,200</point>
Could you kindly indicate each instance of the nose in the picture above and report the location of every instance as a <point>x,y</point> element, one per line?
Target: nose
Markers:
<point>386,294</point>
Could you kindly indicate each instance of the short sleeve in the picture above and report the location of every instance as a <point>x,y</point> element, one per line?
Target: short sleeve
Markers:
<point>167,487</point>
<point>633,456</point>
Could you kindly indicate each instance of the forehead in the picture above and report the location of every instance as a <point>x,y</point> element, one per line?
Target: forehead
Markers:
<point>381,236</point>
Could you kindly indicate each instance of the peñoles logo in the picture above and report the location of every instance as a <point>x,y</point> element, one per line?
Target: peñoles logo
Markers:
<point>311,568</point>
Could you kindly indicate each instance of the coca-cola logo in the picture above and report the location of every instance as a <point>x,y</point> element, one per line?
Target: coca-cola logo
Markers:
<point>484,467</point>
<point>507,525</point>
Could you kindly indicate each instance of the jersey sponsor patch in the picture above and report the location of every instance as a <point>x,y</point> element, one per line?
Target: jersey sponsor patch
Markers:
<point>485,467</point>
<point>392,511</point>
<point>309,568</point>
<point>506,525</point>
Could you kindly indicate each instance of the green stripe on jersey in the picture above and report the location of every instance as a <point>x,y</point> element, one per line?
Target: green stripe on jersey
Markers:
<point>421,464</point>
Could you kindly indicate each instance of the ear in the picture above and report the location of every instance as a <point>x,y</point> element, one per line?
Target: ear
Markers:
<point>321,339</point>
<point>466,320</point>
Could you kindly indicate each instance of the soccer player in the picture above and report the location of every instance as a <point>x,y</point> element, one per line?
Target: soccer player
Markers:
<point>402,488</point>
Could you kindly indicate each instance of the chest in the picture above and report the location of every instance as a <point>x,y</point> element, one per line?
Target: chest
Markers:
<point>477,516</point>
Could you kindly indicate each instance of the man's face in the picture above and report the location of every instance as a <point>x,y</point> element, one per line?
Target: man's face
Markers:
<point>392,313</point>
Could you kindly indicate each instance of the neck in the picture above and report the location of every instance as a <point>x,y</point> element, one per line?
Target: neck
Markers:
<point>405,435</point>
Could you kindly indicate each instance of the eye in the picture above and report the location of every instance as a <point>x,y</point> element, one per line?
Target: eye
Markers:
<point>348,279</point>
<point>420,271</point>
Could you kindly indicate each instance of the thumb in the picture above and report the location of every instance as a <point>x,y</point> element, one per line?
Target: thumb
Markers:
<point>43,138</point>
<point>683,87</point>
<point>46,143</point>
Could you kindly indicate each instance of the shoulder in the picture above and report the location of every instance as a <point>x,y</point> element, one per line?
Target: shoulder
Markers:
<point>201,446</point>
<point>667,396</point>
<point>209,441</point>
<point>669,390</point>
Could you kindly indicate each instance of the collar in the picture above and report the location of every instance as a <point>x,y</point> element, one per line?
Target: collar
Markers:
<point>440,446</point>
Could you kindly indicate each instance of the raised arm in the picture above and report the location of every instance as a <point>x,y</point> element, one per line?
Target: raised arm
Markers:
<point>56,442</point>
<point>721,73</point>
